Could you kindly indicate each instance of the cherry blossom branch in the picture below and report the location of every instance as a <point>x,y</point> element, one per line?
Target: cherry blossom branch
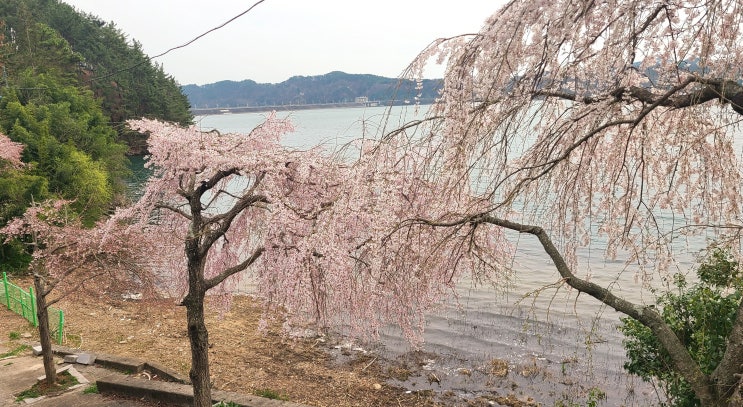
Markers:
<point>214,179</point>
<point>310,214</point>
<point>409,125</point>
<point>225,220</point>
<point>161,205</point>
<point>216,280</point>
<point>648,21</point>
<point>71,290</point>
<point>713,89</point>
<point>250,192</point>
<point>547,166</point>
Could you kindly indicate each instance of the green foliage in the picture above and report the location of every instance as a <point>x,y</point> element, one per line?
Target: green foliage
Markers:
<point>64,381</point>
<point>17,189</point>
<point>83,49</point>
<point>270,394</point>
<point>71,149</point>
<point>92,389</point>
<point>720,271</point>
<point>31,393</point>
<point>15,352</point>
<point>68,80</point>
<point>701,315</point>
<point>68,145</point>
<point>50,53</point>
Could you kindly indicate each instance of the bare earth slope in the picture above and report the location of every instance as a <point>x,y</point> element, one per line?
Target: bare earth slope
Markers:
<point>242,358</point>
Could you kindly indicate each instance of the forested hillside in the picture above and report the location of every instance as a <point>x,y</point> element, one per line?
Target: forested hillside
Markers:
<point>67,83</point>
<point>334,87</point>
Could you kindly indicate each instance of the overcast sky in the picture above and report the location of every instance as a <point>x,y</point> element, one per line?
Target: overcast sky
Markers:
<point>283,38</point>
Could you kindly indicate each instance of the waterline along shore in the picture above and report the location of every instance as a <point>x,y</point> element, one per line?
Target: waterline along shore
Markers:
<point>205,111</point>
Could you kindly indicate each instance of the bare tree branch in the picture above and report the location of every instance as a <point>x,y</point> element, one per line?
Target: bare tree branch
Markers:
<point>216,280</point>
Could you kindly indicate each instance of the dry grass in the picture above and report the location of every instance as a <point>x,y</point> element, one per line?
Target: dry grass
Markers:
<point>241,358</point>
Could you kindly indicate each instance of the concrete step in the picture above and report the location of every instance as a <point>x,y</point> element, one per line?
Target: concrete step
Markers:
<point>176,393</point>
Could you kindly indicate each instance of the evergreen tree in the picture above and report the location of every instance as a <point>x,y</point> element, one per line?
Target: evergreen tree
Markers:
<point>67,81</point>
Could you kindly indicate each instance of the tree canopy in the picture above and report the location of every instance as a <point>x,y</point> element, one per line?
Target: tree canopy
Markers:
<point>67,256</point>
<point>68,81</point>
<point>92,53</point>
<point>67,141</point>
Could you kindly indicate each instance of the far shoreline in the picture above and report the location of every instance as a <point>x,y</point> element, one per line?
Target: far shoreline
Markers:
<point>257,109</point>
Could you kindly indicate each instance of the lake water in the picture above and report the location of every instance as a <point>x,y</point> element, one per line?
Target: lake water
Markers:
<point>558,345</point>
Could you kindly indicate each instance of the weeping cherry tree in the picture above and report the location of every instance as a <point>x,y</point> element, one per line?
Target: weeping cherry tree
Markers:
<point>66,256</point>
<point>580,122</point>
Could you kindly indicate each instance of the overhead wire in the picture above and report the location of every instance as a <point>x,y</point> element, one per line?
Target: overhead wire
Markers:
<point>148,59</point>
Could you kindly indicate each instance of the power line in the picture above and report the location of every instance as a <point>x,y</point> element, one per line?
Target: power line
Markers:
<point>211,30</point>
<point>179,46</point>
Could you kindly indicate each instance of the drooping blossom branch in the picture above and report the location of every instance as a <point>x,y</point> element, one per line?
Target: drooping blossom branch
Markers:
<point>600,118</point>
<point>609,125</point>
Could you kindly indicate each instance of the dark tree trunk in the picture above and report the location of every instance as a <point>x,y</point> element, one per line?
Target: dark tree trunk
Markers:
<point>199,240</point>
<point>42,313</point>
<point>728,375</point>
<point>199,339</point>
<point>716,390</point>
<point>194,302</point>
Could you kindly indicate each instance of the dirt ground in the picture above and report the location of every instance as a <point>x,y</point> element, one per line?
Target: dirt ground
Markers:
<point>242,359</point>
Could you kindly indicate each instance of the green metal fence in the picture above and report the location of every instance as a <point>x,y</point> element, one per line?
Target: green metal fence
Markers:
<point>23,303</point>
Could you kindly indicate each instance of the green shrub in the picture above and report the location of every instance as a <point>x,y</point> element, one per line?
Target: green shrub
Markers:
<point>64,381</point>
<point>702,317</point>
<point>270,394</point>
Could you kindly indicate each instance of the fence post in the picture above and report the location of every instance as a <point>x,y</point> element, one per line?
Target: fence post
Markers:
<point>5,286</point>
<point>60,328</point>
<point>34,317</point>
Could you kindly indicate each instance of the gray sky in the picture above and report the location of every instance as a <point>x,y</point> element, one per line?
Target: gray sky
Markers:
<point>284,38</point>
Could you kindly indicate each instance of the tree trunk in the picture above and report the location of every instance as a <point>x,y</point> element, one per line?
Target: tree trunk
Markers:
<point>194,302</point>
<point>199,339</point>
<point>728,375</point>
<point>199,240</point>
<point>42,313</point>
<point>702,384</point>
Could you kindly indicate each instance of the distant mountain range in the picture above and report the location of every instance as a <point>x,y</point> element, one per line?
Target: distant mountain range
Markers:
<point>332,88</point>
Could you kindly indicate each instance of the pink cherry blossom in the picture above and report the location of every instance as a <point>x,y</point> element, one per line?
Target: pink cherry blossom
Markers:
<point>10,151</point>
<point>322,228</point>
<point>64,252</point>
<point>612,126</point>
